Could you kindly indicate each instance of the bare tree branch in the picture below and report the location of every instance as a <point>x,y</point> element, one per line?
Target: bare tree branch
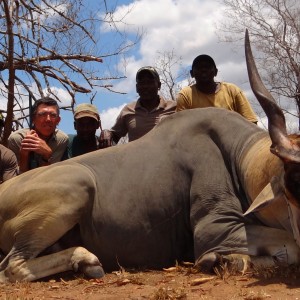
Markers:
<point>275,32</point>
<point>167,64</point>
<point>46,45</point>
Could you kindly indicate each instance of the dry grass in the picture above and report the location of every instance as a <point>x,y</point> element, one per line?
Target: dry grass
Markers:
<point>292,272</point>
<point>251,295</point>
<point>182,281</point>
<point>22,289</point>
<point>169,294</point>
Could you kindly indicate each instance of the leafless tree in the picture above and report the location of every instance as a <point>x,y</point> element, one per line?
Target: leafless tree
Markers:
<point>46,45</point>
<point>274,26</point>
<point>167,64</point>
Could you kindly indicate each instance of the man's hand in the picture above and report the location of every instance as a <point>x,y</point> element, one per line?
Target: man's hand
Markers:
<point>33,143</point>
<point>105,139</point>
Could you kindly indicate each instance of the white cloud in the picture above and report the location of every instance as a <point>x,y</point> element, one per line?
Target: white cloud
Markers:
<point>188,27</point>
<point>185,26</point>
<point>179,29</point>
<point>62,95</point>
<point>108,117</point>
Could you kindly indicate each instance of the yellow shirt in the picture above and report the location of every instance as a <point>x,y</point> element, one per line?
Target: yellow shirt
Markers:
<point>228,96</point>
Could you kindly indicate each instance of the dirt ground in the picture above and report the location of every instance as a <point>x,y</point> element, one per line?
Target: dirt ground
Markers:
<point>179,282</point>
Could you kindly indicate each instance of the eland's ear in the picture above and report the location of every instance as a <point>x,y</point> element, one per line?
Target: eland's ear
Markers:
<point>271,193</point>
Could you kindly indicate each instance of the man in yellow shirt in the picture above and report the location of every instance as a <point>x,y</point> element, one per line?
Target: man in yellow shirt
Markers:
<point>206,92</point>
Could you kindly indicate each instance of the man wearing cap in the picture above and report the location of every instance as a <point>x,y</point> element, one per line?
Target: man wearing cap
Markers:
<point>207,92</point>
<point>139,117</point>
<point>44,144</point>
<point>8,160</point>
<point>86,123</point>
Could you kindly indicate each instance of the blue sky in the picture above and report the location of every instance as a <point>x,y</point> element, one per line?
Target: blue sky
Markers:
<point>188,28</point>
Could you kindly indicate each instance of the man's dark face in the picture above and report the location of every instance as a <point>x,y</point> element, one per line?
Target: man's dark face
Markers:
<point>86,128</point>
<point>147,86</point>
<point>204,72</point>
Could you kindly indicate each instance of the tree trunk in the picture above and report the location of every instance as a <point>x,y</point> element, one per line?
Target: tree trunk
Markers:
<point>8,5</point>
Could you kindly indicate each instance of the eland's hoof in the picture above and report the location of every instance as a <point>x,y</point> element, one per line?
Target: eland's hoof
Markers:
<point>207,262</point>
<point>93,271</point>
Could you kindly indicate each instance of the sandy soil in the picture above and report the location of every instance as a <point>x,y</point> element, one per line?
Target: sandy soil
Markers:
<point>174,283</point>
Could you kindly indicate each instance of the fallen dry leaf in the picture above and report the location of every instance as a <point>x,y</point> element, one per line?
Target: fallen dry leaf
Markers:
<point>187,264</point>
<point>242,279</point>
<point>198,281</point>
<point>172,269</point>
<point>123,282</point>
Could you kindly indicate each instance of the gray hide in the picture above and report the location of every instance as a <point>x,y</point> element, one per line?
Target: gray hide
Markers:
<point>175,194</point>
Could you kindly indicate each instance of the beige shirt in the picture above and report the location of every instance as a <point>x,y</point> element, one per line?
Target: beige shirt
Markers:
<point>229,96</point>
<point>58,144</point>
<point>136,120</point>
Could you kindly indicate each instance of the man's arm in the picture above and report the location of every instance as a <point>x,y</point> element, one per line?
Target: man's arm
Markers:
<point>9,164</point>
<point>183,102</point>
<point>107,139</point>
<point>244,108</point>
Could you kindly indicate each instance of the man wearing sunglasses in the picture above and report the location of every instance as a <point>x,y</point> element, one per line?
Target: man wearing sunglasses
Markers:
<point>44,144</point>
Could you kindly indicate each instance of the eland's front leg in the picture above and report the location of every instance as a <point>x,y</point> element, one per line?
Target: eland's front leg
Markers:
<point>75,259</point>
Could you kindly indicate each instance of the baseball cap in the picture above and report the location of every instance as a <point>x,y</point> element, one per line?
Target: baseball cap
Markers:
<point>148,69</point>
<point>86,110</point>
<point>203,57</point>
